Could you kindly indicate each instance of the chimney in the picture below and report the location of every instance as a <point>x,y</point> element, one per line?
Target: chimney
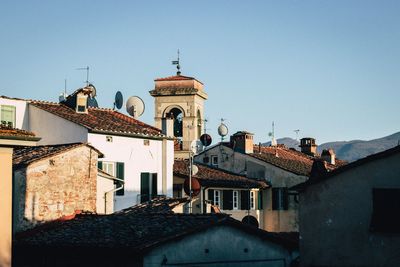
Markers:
<point>308,146</point>
<point>242,141</point>
<point>328,155</point>
<point>318,169</point>
<point>167,126</point>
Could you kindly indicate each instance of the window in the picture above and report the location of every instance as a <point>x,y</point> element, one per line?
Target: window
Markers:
<point>385,210</point>
<point>235,200</point>
<point>252,201</point>
<point>244,200</point>
<point>217,198</point>
<point>280,198</point>
<point>115,169</point>
<point>214,161</point>
<point>148,186</point>
<point>146,142</point>
<point>7,114</point>
<point>109,138</point>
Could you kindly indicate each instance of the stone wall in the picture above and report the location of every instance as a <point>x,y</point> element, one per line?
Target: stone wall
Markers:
<point>54,187</point>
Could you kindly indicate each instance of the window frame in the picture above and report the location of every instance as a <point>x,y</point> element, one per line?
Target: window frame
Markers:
<point>214,160</point>
<point>108,164</point>
<point>217,198</point>
<point>14,120</point>
<point>235,199</point>
<point>252,200</point>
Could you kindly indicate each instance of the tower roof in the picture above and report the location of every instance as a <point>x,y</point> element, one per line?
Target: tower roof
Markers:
<point>176,78</point>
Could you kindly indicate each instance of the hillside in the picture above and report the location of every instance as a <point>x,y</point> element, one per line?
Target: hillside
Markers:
<point>350,150</point>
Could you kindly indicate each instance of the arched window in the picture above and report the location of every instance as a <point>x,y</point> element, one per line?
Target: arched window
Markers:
<point>177,115</point>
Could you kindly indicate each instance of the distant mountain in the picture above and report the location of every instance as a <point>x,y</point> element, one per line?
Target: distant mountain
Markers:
<point>287,141</point>
<point>356,149</point>
<point>350,150</point>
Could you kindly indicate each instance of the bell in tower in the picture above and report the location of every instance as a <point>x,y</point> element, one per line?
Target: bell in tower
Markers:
<point>179,109</point>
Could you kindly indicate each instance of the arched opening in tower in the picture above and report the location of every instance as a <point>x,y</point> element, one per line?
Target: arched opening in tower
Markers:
<point>177,115</point>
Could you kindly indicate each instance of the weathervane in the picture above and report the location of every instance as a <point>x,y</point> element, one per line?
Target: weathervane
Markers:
<point>178,66</point>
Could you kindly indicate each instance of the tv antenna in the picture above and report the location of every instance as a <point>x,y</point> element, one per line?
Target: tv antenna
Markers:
<point>272,135</point>
<point>178,66</point>
<point>297,133</point>
<point>87,74</point>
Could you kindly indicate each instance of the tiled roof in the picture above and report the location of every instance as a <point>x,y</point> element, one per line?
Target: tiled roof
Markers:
<point>8,131</point>
<point>210,176</point>
<point>156,205</point>
<point>23,156</point>
<point>175,78</point>
<point>101,120</point>
<point>289,159</point>
<point>137,232</point>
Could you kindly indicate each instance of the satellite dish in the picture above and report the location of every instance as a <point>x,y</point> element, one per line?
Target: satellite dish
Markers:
<point>195,169</point>
<point>206,139</point>
<point>94,91</point>
<point>194,146</point>
<point>135,106</point>
<point>119,100</point>
<point>92,102</point>
<point>223,130</point>
<point>196,187</point>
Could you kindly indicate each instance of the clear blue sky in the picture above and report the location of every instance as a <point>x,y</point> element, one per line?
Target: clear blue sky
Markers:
<point>328,68</point>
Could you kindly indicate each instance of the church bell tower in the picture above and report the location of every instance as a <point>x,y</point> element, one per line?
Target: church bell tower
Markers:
<point>179,109</point>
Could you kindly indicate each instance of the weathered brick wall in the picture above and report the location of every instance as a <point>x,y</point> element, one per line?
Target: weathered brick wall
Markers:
<point>55,187</point>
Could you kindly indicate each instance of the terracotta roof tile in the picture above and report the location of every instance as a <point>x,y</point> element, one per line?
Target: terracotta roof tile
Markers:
<point>23,156</point>
<point>156,205</point>
<point>8,131</point>
<point>210,176</point>
<point>101,120</point>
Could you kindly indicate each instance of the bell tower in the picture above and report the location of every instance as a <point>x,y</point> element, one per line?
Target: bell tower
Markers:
<point>179,100</point>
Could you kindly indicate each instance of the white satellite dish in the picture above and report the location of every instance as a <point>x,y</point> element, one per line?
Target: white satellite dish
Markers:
<point>195,170</point>
<point>135,106</point>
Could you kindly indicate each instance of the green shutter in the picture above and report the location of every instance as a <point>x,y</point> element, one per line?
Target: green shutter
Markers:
<point>154,185</point>
<point>244,200</point>
<point>285,198</point>
<point>227,200</point>
<point>211,196</point>
<point>260,199</point>
<point>275,198</point>
<point>144,187</point>
<point>100,165</point>
<point>120,175</point>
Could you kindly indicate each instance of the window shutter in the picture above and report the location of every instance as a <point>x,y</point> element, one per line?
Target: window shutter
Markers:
<point>120,175</point>
<point>100,165</point>
<point>285,198</point>
<point>144,186</point>
<point>211,196</point>
<point>244,200</point>
<point>154,185</point>
<point>260,199</point>
<point>275,198</point>
<point>227,200</point>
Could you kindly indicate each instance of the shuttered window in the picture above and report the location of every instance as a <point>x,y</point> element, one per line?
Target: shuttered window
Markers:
<point>252,200</point>
<point>211,196</point>
<point>244,200</point>
<point>280,198</point>
<point>260,200</point>
<point>227,200</point>
<point>120,175</point>
<point>235,200</point>
<point>148,186</point>
<point>217,198</point>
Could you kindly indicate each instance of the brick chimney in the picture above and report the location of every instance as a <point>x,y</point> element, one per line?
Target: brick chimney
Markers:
<point>308,146</point>
<point>243,142</point>
<point>328,155</point>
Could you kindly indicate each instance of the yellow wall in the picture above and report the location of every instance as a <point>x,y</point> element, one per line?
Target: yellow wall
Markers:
<point>5,205</point>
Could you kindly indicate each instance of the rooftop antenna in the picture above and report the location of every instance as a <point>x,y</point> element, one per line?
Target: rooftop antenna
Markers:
<point>205,125</point>
<point>65,86</point>
<point>87,74</point>
<point>297,134</point>
<point>178,66</point>
<point>272,135</point>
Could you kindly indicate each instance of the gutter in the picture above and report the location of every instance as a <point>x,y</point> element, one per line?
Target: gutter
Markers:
<point>112,191</point>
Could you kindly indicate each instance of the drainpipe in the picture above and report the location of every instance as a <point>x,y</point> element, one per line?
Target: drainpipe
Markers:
<point>112,191</point>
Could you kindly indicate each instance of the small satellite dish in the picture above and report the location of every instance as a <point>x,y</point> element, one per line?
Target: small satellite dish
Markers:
<point>196,187</point>
<point>92,102</point>
<point>206,139</point>
<point>119,100</point>
<point>135,106</point>
<point>194,146</point>
<point>94,91</point>
<point>195,169</point>
<point>222,130</point>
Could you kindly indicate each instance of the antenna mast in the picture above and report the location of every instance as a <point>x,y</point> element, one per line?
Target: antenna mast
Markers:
<point>178,66</point>
<point>87,74</point>
<point>297,134</point>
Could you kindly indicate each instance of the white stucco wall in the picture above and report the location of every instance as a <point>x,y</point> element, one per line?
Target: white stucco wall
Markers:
<point>54,129</point>
<point>104,185</point>
<point>21,112</point>
<point>137,158</point>
<point>226,247</point>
